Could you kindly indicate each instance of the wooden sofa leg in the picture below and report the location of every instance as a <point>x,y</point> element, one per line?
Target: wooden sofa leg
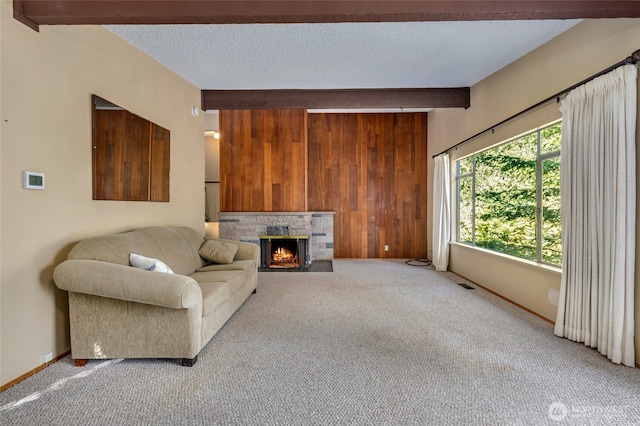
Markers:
<point>81,362</point>
<point>255,290</point>
<point>189,362</point>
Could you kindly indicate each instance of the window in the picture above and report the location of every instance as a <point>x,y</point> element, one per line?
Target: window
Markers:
<point>509,197</point>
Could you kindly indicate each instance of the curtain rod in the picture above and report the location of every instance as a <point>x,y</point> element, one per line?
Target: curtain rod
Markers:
<point>632,59</point>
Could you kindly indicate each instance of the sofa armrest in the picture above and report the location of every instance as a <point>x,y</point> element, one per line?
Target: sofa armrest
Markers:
<point>246,250</point>
<point>122,282</point>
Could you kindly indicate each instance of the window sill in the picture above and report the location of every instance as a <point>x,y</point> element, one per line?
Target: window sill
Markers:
<point>531,264</point>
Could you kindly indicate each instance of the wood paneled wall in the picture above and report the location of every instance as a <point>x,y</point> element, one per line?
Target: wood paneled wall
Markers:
<point>263,160</point>
<point>371,169</point>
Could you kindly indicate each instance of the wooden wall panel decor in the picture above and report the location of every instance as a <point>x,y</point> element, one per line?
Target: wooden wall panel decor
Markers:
<point>131,157</point>
<point>263,160</point>
<point>121,157</point>
<point>371,169</point>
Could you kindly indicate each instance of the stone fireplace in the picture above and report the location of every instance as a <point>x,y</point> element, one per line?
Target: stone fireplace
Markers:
<point>312,231</point>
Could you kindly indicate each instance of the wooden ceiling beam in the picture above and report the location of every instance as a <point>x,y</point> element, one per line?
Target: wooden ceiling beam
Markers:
<point>336,98</point>
<point>76,12</point>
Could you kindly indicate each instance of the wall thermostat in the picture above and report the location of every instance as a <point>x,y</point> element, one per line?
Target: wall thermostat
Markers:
<point>33,180</point>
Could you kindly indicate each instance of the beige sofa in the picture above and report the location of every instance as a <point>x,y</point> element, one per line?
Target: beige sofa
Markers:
<point>119,311</point>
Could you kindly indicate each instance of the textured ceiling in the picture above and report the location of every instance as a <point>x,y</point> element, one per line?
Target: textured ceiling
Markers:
<point>340,56</point>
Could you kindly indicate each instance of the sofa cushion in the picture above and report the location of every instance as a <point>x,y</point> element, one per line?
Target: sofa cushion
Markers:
<point>218,251</point>
<point>179,247</point>
<point>115,248</point>
<point>148,263</point>
<point>235,278</point>
<point>213,295</point>
<point>234,266</point>
<point>176,246</point>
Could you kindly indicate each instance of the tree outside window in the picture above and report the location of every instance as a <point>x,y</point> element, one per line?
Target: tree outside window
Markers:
<point>509,197</point>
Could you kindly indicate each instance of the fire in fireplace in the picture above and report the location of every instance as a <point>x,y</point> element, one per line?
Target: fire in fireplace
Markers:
<point>283,252</point>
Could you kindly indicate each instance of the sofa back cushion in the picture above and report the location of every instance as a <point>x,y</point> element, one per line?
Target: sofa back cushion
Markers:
<point>177,247</point>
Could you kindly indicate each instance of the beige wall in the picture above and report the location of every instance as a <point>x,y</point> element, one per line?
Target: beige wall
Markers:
<point>586,49</point>
<point>47,79</point>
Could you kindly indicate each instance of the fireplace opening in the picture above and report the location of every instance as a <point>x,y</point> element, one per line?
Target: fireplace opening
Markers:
<point>283,252</point>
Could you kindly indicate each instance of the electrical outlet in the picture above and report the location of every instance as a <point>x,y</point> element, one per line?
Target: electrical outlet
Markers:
<point>553,297</point>
<point>386,247</point>
<point>47,357</point>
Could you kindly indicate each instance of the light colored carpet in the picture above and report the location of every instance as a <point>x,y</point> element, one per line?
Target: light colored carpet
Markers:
<point>374,342</point>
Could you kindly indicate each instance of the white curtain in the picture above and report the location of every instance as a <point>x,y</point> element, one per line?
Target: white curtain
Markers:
<point>598,193</point>
<point>441,212</point>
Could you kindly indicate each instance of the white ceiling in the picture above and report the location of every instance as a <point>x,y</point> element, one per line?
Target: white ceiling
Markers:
<point>340,56</point>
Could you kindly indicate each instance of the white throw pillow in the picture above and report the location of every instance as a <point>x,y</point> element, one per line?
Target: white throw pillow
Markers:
<point>148,263</point>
